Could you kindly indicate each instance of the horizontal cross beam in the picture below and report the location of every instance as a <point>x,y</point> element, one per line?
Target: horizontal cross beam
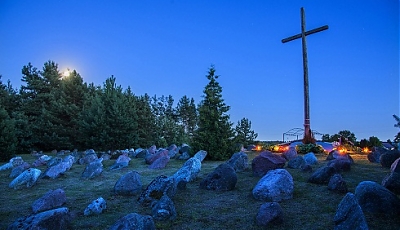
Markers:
<point>322,28</point>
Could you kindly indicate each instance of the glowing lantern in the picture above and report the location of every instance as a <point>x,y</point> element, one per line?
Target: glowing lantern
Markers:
<point>365,150</point>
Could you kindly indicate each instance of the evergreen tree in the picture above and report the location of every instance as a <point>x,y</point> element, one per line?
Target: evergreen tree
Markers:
<point>146,121</point>
<point>374,142</point>
<point>69,105</point>
<point>397,137</point>
<point>214,133</point>
<point>8,134</point>
<point>92,120</point>
<point>243,133</point>
<point>167,130</point>
<point>109,120</point>
<point>36,98</point>
<point>187,117</point>
<point>326,138</point>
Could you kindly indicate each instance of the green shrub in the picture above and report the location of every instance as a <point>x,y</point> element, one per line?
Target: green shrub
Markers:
<point>306,148</point>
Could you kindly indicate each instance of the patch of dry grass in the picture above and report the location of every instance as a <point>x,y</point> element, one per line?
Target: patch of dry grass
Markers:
<point>312,207</point>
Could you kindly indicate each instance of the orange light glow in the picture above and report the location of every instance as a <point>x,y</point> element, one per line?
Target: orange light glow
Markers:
<point>286,148</point>
<point>258,147</point>
<point>365,150</point>
<point>342,150</point>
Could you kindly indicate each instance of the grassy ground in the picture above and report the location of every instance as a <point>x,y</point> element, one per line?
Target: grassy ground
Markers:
<point>312,207</point>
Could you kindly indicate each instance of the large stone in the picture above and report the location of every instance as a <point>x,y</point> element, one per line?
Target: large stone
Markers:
<point>52,199</point>
<point>129,184</point>
<point>375,198</point>
<point>239,161</point>
<point>388,158</point>
<point>265,162</point>
<point>291,153</point>
<point>141,153</point>
<point>349,214</point>
<point>322,175</point>
<point>88,158</point>
<point>59,218</point>
<point>200,155</point>
<point>164,209</point>
<point>336,155</point>
<point>152,149</point>
<point>337,184</point>
<point>123,158</point>
<point>184,149</point>
<point>395,167</point>
<point>296,163</point>
<point>160,186</point>
<point>15,161</point>
<point>93,169</point>
<point>223,178</point>
<point>160,163</point>
<point>77,155</point>
<point>310,158</point>
<point>122,162</point>
<point>392,182</point>
<point>42,160</point>
<point>276,185</point>
<point>189,171</point>
<point>172,150</point>
<point>28,177</point>
<point>53,161</point>
<point>150,158</point>
<point>16,171</point>
<point>374,156</point>
<point>134,221</point>
<point>96,207</point>
<point>183,156</point>
<point>269,213</point>
<point>60,168</point>
<point>340,164</point>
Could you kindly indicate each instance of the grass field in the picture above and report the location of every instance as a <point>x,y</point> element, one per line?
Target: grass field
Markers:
<point>312,207</point>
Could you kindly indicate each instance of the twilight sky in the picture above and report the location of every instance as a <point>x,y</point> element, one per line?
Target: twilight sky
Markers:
<point>165,47</point>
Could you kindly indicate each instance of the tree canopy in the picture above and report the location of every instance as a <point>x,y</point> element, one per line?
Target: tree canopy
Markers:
<point>214,133</point>
<point>51,111</point>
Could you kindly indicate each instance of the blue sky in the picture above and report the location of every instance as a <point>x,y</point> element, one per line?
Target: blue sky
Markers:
<point>166,48</point>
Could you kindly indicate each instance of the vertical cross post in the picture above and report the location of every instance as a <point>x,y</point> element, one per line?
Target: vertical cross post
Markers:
<point>307,129</point>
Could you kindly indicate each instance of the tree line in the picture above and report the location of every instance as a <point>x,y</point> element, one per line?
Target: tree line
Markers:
<point>51,111</point>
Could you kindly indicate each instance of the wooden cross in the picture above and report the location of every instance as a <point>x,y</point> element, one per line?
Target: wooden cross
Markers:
<point>307,130</point>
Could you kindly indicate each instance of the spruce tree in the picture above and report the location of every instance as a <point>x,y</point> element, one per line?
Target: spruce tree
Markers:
<point>243,133</point>
<point>214,133</point>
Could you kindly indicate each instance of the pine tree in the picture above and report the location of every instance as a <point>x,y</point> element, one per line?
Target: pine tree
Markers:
<point>243,133</point>
<point>109,121</point>
<point>214,133</point>
<point>36,98</point>
<point>69,105</point>
<point>8,134</point>
<point>187,117</point>
<point>146,121</point>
